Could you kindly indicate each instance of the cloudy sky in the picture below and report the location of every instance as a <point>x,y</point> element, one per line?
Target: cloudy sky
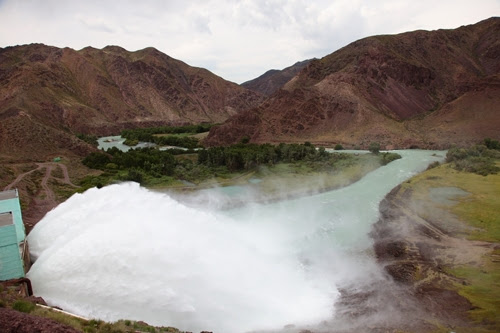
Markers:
<point>236,39</point>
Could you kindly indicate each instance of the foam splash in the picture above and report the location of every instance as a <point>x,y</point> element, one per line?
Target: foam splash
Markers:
<point>125,252</point>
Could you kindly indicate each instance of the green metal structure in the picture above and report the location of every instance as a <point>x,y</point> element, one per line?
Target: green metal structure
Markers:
<point>12,236</point>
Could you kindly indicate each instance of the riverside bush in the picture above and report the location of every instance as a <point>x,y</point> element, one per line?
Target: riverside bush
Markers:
<point>477,159</point>
<point>387,158</point>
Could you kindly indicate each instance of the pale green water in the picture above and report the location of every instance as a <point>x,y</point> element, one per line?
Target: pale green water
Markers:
<point>117,141</point>
<point>339,219</point>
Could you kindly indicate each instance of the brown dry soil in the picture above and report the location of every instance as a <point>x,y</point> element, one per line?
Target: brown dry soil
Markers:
<point>42,186</point>
<point>12,321</point>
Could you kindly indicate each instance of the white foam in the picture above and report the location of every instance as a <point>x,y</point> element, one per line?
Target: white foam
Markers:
<point>125,252</point>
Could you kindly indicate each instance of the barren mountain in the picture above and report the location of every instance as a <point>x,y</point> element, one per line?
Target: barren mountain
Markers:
<point>48,94</point>
<point>421,88</point>
<point>274,79</point>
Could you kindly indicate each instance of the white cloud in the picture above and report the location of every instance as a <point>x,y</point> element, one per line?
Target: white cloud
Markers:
<point>236,39</point>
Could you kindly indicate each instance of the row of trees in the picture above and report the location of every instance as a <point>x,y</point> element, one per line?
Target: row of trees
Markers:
<point>140,133</point>
<point>133,136</point>
<point>247,156</point>
<point>151,162</point>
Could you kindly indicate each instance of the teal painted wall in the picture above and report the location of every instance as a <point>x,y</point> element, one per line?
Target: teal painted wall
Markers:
<point>11,265</point>
<point>13,205</point>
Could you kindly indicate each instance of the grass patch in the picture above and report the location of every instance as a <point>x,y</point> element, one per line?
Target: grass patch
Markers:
<point>479,209</point>
<point>60,318</point>
<point>482,289</point>
<point>23,306</point>
<point>61,190</point>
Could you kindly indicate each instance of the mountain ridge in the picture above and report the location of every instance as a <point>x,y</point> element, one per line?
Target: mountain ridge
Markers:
<point>401,90</point>
<point>64,92</point>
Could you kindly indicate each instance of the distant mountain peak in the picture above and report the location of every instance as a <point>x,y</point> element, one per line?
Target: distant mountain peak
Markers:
<point>274,79</point>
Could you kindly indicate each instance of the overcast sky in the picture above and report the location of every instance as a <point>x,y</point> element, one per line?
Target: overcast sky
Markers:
<point>236,39</point>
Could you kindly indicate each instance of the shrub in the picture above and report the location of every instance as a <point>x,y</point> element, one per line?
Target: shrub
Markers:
<point>374,147</point>
<point>433,165</point>
<point>96,160</point>
<point>92,139</point>
<point>492,144</point>
<point>338,146</point>
<point>389,157</point>
<point>135,175</point>
<point>23,306</point>
<point>478,159</point>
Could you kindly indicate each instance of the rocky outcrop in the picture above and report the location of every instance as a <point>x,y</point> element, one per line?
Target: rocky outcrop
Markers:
<point>421,88</point>
<point>62,92</point>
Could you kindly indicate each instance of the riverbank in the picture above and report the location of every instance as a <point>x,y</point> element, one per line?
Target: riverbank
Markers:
<point>438,238</point>
<point>283,181</point>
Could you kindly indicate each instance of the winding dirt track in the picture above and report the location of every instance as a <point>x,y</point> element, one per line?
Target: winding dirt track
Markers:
<point>46,199</point>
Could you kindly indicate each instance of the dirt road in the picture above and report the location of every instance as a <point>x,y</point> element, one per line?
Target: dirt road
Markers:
<point>45,199</point>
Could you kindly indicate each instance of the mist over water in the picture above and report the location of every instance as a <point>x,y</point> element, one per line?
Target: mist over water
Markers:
<point>126,252</point>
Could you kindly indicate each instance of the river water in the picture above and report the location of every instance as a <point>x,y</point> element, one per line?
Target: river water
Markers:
<point>126,252</point>
<point>106,142</point>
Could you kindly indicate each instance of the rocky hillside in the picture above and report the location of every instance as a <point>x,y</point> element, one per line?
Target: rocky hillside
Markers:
<point>274,79</point>
<point>48,94</point>
<point>421,88</point>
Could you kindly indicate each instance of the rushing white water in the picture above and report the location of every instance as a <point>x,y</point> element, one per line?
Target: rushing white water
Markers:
<point>125,252</point>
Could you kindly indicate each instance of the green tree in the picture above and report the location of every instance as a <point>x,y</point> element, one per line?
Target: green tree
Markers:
<point>135,175</point>
<point>374,147</point>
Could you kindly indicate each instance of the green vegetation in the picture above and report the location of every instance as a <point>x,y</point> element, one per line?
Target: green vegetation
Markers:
<point>138,132</point>
<point>477,159</point>
<point>247,156</point>
<point>152,167</point>
<point>338,146</point>
<point>387,157</point>
<point>23,306</point>
<point>482,289</point>
<point>473,170</point>
<point>374,147</point>
<point>92,139</point>
<point>492,144</point>
<point>479,209</point>
<point>166,136</point>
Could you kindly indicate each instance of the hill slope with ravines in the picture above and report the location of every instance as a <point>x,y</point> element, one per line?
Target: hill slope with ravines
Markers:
<point>49,94</point>
<point>416,89</point>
